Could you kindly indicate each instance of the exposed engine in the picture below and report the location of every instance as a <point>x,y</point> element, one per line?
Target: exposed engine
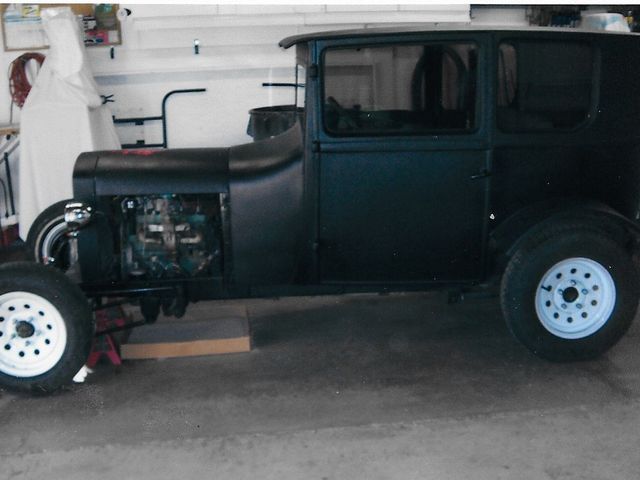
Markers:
<point>169,236</point>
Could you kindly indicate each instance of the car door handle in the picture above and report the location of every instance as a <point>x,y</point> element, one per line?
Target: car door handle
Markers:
<point>483,174</point>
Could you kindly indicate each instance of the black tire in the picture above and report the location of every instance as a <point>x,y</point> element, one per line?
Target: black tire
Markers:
<point>46,240</point>
<point>533,262</point>
<point>71,309</point>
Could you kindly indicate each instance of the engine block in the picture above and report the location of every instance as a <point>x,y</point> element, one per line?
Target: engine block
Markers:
<point>168,236</point>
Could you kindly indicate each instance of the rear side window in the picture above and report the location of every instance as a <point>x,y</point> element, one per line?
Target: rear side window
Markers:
<point>400,89</point>
<point>543,85</point>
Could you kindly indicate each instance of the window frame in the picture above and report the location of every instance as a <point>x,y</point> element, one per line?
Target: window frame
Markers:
<point>434,133</point>
<point>594,96</point>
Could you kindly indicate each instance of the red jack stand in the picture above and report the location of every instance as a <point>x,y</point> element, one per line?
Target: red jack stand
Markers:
<point>104,344</point>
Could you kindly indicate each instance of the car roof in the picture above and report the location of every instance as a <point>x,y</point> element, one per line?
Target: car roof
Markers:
<point>374,32</point>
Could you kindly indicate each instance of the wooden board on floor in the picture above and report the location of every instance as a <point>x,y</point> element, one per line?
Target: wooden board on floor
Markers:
<point>226,330</point>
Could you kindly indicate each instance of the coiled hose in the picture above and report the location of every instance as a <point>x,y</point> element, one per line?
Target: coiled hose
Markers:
<point>19,85</point>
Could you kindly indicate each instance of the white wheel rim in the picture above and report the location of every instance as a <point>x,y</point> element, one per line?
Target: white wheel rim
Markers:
<point>33,335</point>
<point>575,298</point>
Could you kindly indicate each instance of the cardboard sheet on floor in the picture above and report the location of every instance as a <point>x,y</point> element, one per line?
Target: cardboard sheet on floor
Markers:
<point>225,331</point>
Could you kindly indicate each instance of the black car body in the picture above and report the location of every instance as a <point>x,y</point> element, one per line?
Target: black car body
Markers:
<point>422,158</point>
<point>379,206</point>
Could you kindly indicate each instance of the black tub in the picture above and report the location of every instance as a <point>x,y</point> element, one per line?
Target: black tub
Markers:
<point>268,122</point>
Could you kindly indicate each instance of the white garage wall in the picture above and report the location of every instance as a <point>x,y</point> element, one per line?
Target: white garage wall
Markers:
<point>238,51</point>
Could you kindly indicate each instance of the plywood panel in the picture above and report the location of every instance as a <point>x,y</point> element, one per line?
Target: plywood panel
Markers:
<point>219,330</point>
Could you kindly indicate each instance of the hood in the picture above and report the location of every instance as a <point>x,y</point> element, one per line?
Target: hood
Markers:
<point>140,172</point>
<point>188,170</point>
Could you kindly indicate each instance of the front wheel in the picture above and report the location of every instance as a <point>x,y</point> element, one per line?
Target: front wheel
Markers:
<point>570,293</point>
<point>46,328</point>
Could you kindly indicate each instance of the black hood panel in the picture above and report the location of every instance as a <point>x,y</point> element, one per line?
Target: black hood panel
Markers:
<point>140,172</point>
<point>186,170</point>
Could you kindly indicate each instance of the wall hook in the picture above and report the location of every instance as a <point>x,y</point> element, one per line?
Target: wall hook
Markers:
<point>196,47</point>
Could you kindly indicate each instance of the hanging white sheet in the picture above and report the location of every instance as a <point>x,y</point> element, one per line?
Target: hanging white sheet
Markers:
<point>62,117</point>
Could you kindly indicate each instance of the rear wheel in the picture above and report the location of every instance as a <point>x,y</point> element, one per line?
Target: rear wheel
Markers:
<point>46,328</point>
<point>47,240</point>
<point>570,293</point>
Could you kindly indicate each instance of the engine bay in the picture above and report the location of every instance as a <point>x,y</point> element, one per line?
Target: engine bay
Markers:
<point>169,236</point>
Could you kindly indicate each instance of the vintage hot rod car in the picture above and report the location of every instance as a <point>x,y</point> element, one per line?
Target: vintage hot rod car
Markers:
<point>415,159</point>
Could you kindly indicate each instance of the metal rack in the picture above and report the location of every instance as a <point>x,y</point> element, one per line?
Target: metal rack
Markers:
<point>162,118</point>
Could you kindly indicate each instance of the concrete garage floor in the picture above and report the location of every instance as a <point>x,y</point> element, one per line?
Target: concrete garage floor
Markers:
<point>357,387</point>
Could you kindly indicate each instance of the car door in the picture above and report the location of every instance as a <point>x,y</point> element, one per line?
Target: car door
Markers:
<point>404,161</point>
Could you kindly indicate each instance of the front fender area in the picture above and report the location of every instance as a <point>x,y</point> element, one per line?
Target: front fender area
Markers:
<point>507,237</point>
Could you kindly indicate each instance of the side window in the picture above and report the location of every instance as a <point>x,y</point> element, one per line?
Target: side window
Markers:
<point>400,89</point>
<point>543,85</point>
